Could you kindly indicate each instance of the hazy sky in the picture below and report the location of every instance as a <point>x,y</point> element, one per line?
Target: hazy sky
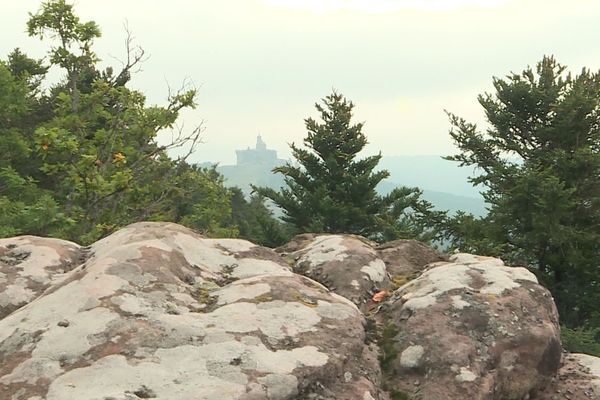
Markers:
<point>260,65</point>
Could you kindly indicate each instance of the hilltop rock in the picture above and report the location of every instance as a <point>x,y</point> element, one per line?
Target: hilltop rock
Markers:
<point>160,312</point>
<point>157,311</point>
<point>470,329</point>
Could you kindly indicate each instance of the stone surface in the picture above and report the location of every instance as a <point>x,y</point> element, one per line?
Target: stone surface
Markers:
<point>592,364</point>
<point>407,258</point>
<point>159,312</point>
<point>29,265</point>
<point>487,332</point>
<point>578,379</point>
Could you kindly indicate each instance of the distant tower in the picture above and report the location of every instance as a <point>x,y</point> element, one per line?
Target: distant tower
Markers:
<point>260,145</point>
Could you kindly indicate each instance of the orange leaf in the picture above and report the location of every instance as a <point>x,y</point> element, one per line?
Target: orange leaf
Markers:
<point>380,296</point>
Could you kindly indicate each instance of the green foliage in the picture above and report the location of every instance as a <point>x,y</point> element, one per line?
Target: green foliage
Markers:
<point>81,158</point>
<point>397,395</point>
<point>24,208</point>
<point>539,162</point>
<point>387,344</point>
<point>203,203</point>
<point>332,191</point>
<point>256,222</point>
<point>581,340</point>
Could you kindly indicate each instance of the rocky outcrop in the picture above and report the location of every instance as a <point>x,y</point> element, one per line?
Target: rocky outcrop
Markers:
<point>405,259</point>
<point>471,328</point>
<point>355,267</point>
<point>157,311</point>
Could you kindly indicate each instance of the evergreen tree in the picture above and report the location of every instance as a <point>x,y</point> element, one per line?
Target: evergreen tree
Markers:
<point>256,222</point>
<point>333,191</point>
<point>539,163</point>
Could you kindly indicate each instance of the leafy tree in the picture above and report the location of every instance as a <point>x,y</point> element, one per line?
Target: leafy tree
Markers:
<point>24,208</point>
<point>333,191</point>
<point>202,202</point>
<point>82,158</point>
<point>73,52</point>
<point>99,151</point>
<point>539,162</point>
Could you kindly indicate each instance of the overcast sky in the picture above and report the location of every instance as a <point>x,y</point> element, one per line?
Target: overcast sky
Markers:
<point>260,65</point>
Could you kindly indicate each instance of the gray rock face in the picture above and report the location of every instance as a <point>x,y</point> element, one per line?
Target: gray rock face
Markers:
<point>157,311</point>
<point>407,258</point>
<point>592,364</point>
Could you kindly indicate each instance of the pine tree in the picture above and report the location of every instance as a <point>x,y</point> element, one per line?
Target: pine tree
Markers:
<point>255,220</point>
<point>539,163</point>
<point>333,191</point>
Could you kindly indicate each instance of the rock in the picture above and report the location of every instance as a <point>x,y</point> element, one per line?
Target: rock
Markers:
<point>593,368</point>
<point>578,378</point>
<point>64,323</point>
<point>160,312</point>
<point>471,328</point>
<point>298,242</point>
<point>29,265</point>
<point>157,311</point>
<point>407,258</point>
<point>346,264</point>
<point>411,357</point>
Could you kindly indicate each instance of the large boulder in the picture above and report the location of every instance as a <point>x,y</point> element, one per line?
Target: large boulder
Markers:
<point>157,311</point>
<point>470,329</point>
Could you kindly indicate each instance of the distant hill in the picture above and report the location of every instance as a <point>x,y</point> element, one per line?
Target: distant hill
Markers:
<point>254,166</point>
<point>443,182</point>
<point>431,173</point>
<point>443,201</point>
<point>257,175</point>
